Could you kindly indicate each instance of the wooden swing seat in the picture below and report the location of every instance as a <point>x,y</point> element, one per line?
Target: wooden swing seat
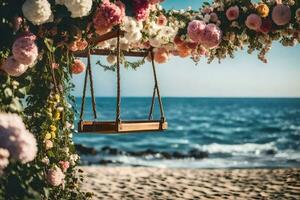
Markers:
<point>118,126</point>
<point>110,127</point>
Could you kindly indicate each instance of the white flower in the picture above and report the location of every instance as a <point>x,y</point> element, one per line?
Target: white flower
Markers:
<point>130,24</point>
<point>206,18</point>
<point>37,11</point>
<point>45,160</point>
<point>73,159</point>
<point>78,8</point>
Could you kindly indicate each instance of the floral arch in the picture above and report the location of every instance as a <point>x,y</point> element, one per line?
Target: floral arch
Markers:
<point>39,43</point>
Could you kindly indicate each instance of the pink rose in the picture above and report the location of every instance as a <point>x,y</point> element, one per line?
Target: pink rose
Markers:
<point>64,165</point>
<point>25,50</point>
<point>54,65</point>
<point>77,67</point>
<point>281,14</point>
<point>13,68</point>
<point>196,30</point>
<point>141,9</point>
<point>78,45</point>
<point>214,17</point>
<point>212,36</point>
<point>161,55</point>
<point>108,15</point>
<point>253,22</point>
<point>161,20</point>
<point>55,176</point>
<point>232,13</point>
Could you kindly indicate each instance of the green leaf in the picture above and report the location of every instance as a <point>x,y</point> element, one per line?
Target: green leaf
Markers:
<point>49,44</point>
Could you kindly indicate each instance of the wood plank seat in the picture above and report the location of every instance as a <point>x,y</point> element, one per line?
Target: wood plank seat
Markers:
<point>110,127</point>
<point>118,126</point>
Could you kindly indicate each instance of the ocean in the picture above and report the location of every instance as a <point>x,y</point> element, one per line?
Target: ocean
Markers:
<point>202,133</point>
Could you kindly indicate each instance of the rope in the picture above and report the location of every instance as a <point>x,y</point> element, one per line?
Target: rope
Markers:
<point>150,117</point>
<point>118,112</point>
<point>162,114</point>
<point>83,94</point>
<point>92,84</point>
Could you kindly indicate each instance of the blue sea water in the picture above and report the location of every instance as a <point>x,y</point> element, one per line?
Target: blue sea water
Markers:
<point>231,132</point>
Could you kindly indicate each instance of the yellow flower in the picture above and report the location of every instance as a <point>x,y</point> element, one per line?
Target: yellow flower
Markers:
<point>263,10</point>
<point>53,135</point>
<point>57,97</point>
<point>56,116</point>
<point>53,128</point>
<point>48,136</point>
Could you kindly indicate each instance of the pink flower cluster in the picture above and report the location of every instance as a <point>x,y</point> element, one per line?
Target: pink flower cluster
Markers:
<point>141,9</point>
<point>78,45</point>
<point>55,176</point>
<point>77,67</point>
<point>14,137</point>
<point>161,55</point>
<point>108,15</point>
<point>25,53</point>
<point>209,35</point>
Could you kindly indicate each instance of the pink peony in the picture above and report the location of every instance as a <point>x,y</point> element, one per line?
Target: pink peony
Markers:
<point>196,30</point>
<point>4,155</point>
<point>161,55</point>
<point>253,22</point>
<point>14,137</point>
<point>64,165</point>
<point>108,15</point>
<point>77,67</point>
<point>281,14</point>
<point>13,68</point>
<point>212,36</point>
<point>25,50</point>
<point>232,13</point>
<point>161,20</point>
<point>141,9</point>
<point>55,176</point>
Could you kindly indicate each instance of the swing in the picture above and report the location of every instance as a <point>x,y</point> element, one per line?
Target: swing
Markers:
<point>118,126</point>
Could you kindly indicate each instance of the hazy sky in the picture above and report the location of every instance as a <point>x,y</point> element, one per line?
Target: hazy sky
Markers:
<point>243,76</point>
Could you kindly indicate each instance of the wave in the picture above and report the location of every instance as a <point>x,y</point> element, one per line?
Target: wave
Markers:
<point>239,149</point>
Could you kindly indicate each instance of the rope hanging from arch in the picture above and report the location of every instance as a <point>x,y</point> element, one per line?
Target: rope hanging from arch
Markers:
<point>119,126</point>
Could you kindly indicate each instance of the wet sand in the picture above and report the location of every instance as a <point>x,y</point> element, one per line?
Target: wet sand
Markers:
<point>154,183</point>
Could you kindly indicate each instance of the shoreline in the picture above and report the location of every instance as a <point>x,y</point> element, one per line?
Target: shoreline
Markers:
<point>170,183</point>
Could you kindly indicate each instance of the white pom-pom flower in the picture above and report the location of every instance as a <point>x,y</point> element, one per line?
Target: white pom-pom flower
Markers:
<point>78,8</point>
<point>37,11</point>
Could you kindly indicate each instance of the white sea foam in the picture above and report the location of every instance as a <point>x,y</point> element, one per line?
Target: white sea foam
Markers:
<point>247,148</point>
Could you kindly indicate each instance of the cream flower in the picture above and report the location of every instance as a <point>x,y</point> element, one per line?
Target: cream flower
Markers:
<point>78,8</point>
<point>37,11</point>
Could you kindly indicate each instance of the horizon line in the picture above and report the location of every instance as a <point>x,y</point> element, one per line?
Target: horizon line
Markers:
<point>207,97</point>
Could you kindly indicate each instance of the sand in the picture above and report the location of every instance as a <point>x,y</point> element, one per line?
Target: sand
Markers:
<point>153,183</point>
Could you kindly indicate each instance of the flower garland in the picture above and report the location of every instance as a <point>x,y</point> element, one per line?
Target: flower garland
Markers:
<point>38,60</point>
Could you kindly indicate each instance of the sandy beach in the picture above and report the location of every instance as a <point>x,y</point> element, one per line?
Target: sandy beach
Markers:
<point>155,183</point>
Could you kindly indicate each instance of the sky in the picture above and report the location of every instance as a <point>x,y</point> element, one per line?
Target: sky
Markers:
<point>243,76</point>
